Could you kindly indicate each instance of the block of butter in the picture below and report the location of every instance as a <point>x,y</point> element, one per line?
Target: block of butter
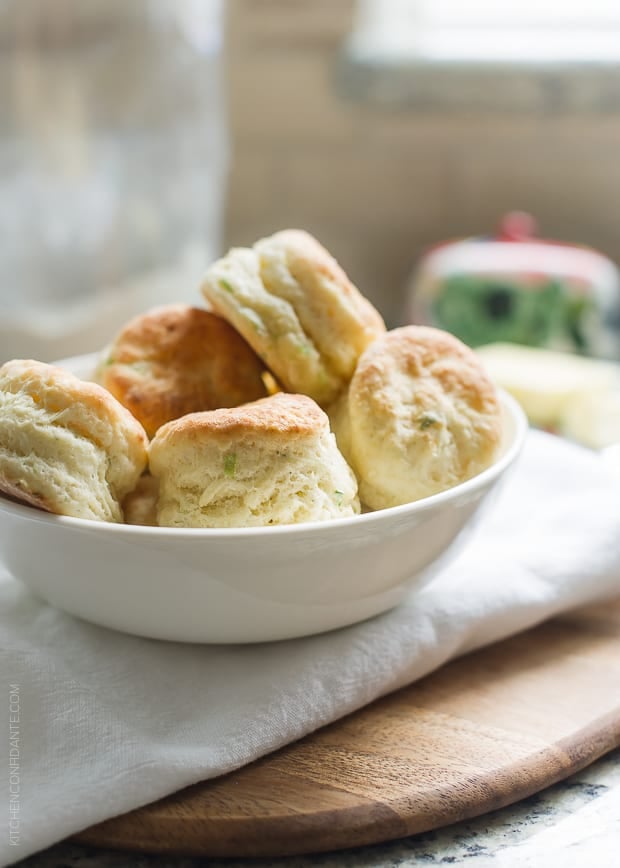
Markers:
<point>594,420</point>
<point>551,387</point>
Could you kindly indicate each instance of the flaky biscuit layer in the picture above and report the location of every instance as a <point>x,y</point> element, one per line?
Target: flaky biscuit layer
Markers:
<point>271,462</point>
<point>66,445</point>
<point>297,308</point>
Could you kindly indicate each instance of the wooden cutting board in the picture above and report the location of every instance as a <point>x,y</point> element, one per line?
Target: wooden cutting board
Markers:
<point>482,732</point>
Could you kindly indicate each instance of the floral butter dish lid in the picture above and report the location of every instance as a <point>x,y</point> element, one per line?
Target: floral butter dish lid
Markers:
<point>521,289</point>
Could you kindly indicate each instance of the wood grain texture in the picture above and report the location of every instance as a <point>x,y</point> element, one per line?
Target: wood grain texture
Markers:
<point>482,732</point>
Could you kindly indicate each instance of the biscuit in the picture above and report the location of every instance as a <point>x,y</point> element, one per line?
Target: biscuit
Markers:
<point>140,505</point>
<point>66,446</point>
<point>177,359</point>
<point>296,307</point>
<point>420,416</point>
<point>270,462</point>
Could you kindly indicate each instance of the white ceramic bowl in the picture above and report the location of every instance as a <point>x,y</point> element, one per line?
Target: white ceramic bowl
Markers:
<point>246,584</point>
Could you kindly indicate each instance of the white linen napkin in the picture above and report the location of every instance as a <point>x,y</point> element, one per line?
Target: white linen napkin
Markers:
<point>108,722</point>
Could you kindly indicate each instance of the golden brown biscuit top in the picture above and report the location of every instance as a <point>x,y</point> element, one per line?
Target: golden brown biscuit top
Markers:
<point>178,359</point>
<point>419,354</point>
<point>283,415</point>
<point>310,263</point>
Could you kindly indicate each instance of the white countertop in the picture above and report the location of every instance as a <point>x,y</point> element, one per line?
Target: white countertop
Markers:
<point>572,824</point>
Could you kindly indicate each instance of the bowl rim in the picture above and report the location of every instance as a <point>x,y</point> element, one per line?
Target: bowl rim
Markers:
<point>470,486</point>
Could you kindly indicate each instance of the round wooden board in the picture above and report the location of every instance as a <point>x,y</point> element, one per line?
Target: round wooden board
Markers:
<point>482,732</point>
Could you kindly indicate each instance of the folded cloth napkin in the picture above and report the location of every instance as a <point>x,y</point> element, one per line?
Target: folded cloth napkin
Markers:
<point>108,722</point>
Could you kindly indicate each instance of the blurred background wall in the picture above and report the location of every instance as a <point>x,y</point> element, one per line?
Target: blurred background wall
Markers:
<point>135,147</point>
<point>380,181</point>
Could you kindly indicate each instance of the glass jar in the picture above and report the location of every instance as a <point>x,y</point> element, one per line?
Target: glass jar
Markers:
<point>112,164</point>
